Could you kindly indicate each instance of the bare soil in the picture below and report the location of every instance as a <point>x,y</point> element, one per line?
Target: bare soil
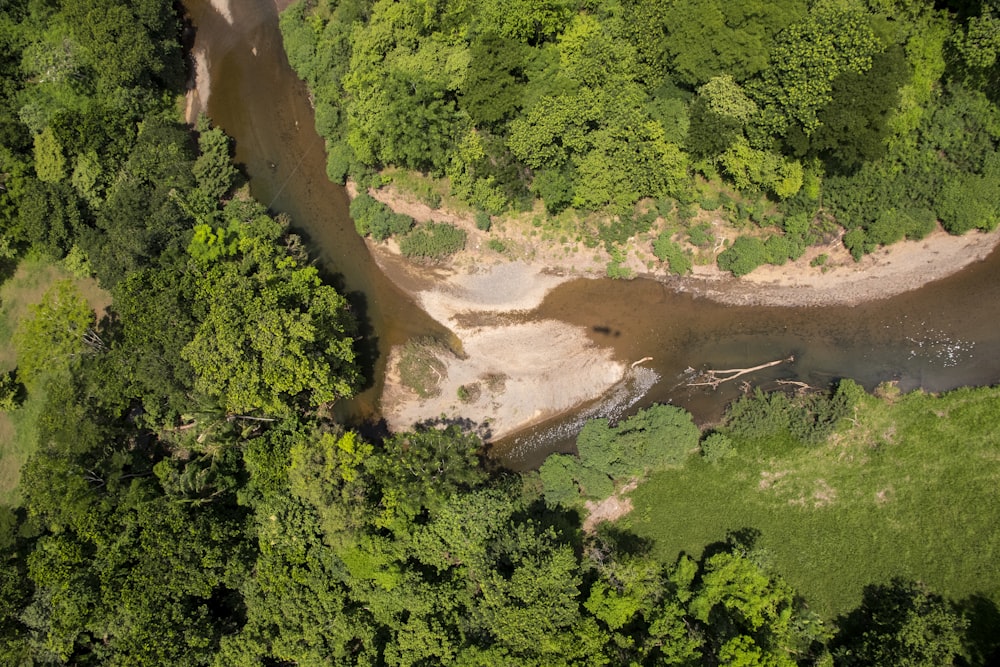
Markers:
<point>546,366</point>
<point>611,508</point>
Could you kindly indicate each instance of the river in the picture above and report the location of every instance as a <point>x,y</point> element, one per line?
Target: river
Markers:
<point>941,336</point>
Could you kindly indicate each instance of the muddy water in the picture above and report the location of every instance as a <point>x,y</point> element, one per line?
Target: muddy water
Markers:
<point>939,337</point>
<point>257,99</point>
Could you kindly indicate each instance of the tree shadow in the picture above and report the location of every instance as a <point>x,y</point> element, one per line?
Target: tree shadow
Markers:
<point>480,429</point>
<point>982,639</point>
<point>737,540</point>
<point>623,542</point>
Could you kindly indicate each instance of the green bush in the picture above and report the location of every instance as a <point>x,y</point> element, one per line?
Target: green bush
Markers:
<point>483,221</point>
<point>745,255</point>
<point>666,250</point>
<point>777,248</point>
<point>615,269</point>
<point>11,392</point>
<point>716,447</point>
<point>700,235</point>
<point>808,419</point>
<point>375,218</point>
<point>432,241</point>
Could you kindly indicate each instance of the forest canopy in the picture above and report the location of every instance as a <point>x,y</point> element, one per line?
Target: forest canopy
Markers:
<point>881,114</point>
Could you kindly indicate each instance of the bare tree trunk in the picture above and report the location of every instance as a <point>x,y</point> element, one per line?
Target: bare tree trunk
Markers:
<point>713,379</point>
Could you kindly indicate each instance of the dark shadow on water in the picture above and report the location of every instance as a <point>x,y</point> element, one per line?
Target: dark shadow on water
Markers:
<point>606,331</point>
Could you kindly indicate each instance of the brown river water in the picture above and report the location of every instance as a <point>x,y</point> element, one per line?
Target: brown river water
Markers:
<point>939,337</point>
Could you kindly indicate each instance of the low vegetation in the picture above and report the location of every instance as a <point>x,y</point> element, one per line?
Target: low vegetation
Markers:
<point>890,488</point>
<point>433,240</point>
<point>420,366</point>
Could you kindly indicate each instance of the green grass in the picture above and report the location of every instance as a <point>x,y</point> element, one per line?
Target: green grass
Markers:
<point>911,490</point>
<point>33,276</point>
<point>420,366</point>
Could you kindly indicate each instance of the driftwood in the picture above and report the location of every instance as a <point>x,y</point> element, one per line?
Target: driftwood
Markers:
<point>802,386</point>
<point>713,379</point>
<point>641,361</point>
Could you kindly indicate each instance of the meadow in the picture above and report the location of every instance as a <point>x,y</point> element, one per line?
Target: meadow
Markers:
<point>906,487</point>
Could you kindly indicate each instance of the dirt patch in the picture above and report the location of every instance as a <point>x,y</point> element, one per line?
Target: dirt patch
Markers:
<point>611,508</point>
<point>546,368</point>
<point>769,479</point>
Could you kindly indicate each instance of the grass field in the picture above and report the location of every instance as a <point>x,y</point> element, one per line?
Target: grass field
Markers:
<point>912,489</point>
<point>28,283</point>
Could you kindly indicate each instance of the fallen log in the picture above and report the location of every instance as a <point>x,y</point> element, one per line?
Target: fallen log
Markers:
<point>713,378</point>
<point>641,361</point>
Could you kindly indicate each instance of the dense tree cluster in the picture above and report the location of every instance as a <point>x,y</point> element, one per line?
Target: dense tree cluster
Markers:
<point>883,114</point>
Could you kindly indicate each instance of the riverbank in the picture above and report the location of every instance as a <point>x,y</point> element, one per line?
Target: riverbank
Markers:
<point>838,281</point>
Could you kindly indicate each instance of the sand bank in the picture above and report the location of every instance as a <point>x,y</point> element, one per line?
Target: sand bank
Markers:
<point>511,374</point>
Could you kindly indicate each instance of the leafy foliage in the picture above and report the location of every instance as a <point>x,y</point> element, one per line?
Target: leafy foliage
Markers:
<point>433,240</point>
<point>373,217</point>
<point>657,437</point>
<point>270,332</point>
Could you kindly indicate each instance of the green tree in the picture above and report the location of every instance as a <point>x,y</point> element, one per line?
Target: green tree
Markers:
<point>809,55</point>
<point>708,39</point>
<point>743,256</point>
<point>901,624</point>
<point>50,163</point>
<point>53,333</point>
<point>421,469</point>
<point>269,332</point>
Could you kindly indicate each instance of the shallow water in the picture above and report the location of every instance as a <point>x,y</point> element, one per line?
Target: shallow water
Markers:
<point>942,336</point>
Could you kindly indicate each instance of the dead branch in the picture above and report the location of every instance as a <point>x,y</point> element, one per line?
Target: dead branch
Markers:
<point>641,361</point>
<point>713,379</point>
<point>802,386</point>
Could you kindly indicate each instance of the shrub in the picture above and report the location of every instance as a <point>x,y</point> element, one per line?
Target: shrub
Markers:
<point>778,249</point>
<point>433,241</point>
<point>716,447</point>
<point>700,235</point>
<point>11,392</point>
<point>668,251</point>
<point>375,218</point>
<point>614,269</point>
<point>483,222</point>
<point>759,415</point>
<point>745,255</point>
